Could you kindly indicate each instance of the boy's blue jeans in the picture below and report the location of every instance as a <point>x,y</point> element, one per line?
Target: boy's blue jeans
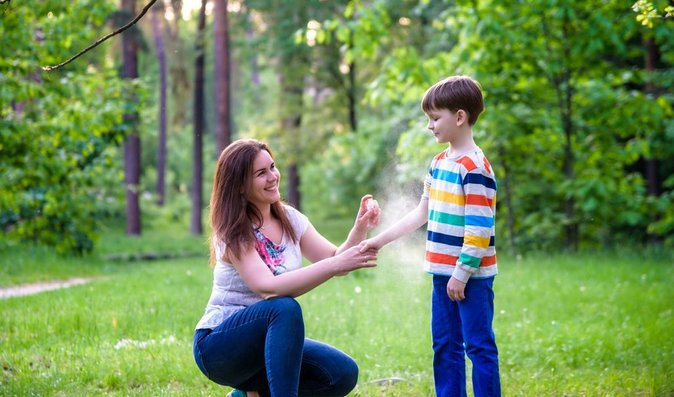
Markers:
<point>262,347</point>
<point>461,328</point>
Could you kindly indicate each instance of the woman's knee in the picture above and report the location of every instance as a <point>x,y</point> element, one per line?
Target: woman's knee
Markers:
<point>287,308</point>
<point>286,304</point>
<point>346,379</point>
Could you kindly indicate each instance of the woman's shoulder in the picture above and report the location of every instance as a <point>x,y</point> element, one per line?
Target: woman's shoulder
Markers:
<point>296,218</point>
<point>291,211</point>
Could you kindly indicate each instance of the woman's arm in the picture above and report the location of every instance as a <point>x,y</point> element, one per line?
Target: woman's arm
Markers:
<point>315,247</point>
<point>407,224</point>
<point>328,260</point>
<point>294,283</point>
<point>366,219</point>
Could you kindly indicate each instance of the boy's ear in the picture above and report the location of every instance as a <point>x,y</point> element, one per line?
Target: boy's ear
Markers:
<point>461,117</point>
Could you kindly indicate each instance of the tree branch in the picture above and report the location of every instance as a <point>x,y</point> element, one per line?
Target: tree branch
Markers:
<point>102,39</point>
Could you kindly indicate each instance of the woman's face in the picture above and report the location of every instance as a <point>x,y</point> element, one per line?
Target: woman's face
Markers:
<point>263,189</point>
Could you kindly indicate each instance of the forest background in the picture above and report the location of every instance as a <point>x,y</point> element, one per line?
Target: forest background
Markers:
<point>109,158</point>
<point>578,121</point>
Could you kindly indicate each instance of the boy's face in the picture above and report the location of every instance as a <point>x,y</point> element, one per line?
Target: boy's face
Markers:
<point>444,125</point>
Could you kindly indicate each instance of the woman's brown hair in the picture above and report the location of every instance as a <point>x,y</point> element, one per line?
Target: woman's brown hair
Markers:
<point>232,216</point>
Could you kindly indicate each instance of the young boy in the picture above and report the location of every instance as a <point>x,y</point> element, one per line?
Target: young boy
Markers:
<point>459,205</point>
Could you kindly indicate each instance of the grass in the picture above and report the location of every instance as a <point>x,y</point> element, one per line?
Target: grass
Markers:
<point>24,263</point>
<point>592,324</point>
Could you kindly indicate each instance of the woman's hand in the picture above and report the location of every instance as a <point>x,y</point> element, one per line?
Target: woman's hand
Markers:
<point>367,218</point>
<point>368,213</point>
<point>353,259</point>
<point>294,283</point>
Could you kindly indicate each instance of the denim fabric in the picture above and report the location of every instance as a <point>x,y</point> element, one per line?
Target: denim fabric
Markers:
<point>263,348</point>
<point>464,328</point>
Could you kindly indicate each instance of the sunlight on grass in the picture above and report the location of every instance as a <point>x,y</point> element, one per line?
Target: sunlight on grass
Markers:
<point>579,325</point>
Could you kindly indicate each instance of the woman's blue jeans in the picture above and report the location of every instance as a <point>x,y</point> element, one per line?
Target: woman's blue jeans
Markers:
<point>263,348</point>
<point>464,328</point>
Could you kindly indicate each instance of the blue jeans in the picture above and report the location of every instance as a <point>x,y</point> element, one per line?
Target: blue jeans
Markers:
<point>464,328</point>
<point>262,347</point>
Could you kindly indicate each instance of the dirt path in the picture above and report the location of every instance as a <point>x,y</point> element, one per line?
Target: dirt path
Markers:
<point>34,288</point>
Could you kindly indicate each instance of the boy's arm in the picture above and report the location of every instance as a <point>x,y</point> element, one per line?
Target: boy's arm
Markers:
<point>479,190</point>
<point>407,224</point>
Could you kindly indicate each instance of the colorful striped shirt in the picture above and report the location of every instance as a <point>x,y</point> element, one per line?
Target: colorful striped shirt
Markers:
<point>461,193</point>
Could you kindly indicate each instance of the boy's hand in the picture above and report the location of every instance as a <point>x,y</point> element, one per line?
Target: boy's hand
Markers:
<point>455,290</point>
<point>369,244</point>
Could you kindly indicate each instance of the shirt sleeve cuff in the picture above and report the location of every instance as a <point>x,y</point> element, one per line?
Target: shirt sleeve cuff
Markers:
<point>463,272</point>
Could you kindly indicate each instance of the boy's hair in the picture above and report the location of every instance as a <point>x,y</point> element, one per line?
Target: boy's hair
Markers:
<point>454,93</point>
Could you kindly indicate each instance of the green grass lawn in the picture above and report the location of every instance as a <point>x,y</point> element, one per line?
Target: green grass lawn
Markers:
<point>567,325</point>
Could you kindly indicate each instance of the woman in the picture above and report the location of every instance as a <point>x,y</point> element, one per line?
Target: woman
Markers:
<point>251,336</point>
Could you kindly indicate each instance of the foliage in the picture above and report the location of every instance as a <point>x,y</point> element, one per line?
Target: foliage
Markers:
<point>555,75</point>
<point>544,93</point>
<point>346,167</point>
<point>59,130</point>
<point>547,70</point>
<point>646,12</point>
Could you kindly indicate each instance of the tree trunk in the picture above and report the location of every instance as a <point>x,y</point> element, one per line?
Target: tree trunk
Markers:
<point>291,126</point>
<point>352,95</point>
<point>293,67</point>
<point>351,92</point>
<point>570,202</point>
<point>180,85</point>
<point>294,195</point>
<point>199,117</point>
<point>510,209</point>
<point>161,145</point>
<point>254,68</point>
<point>17,107</point>
<point>222,83</point>
<point>132,140</point>
<point>292,90</point>
<point>565,95</point>
<point>652,163</point>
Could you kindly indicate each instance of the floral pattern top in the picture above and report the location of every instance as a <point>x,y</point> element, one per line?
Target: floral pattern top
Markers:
<point>230,293</point>
<point>271,253</point>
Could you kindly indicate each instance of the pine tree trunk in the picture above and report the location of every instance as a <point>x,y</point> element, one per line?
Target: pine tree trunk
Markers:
<point>291,126</point>
<point>179,81</point>
<point>293,89</point>
<point>254,68</point>
<point>161,145</point>
<point>222,83</point>
<point>352,96</point>
<point>199,117</point>
<point>652,163</point>
<point>565,96</point>
<point>510,209</point>
<point>132,140</point>
<point>650,59</point>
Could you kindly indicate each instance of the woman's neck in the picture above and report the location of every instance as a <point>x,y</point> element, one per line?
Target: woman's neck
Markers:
<point>266,215</point>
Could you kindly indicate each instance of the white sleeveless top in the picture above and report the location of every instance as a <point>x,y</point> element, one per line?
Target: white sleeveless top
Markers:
<point>230,294</point>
